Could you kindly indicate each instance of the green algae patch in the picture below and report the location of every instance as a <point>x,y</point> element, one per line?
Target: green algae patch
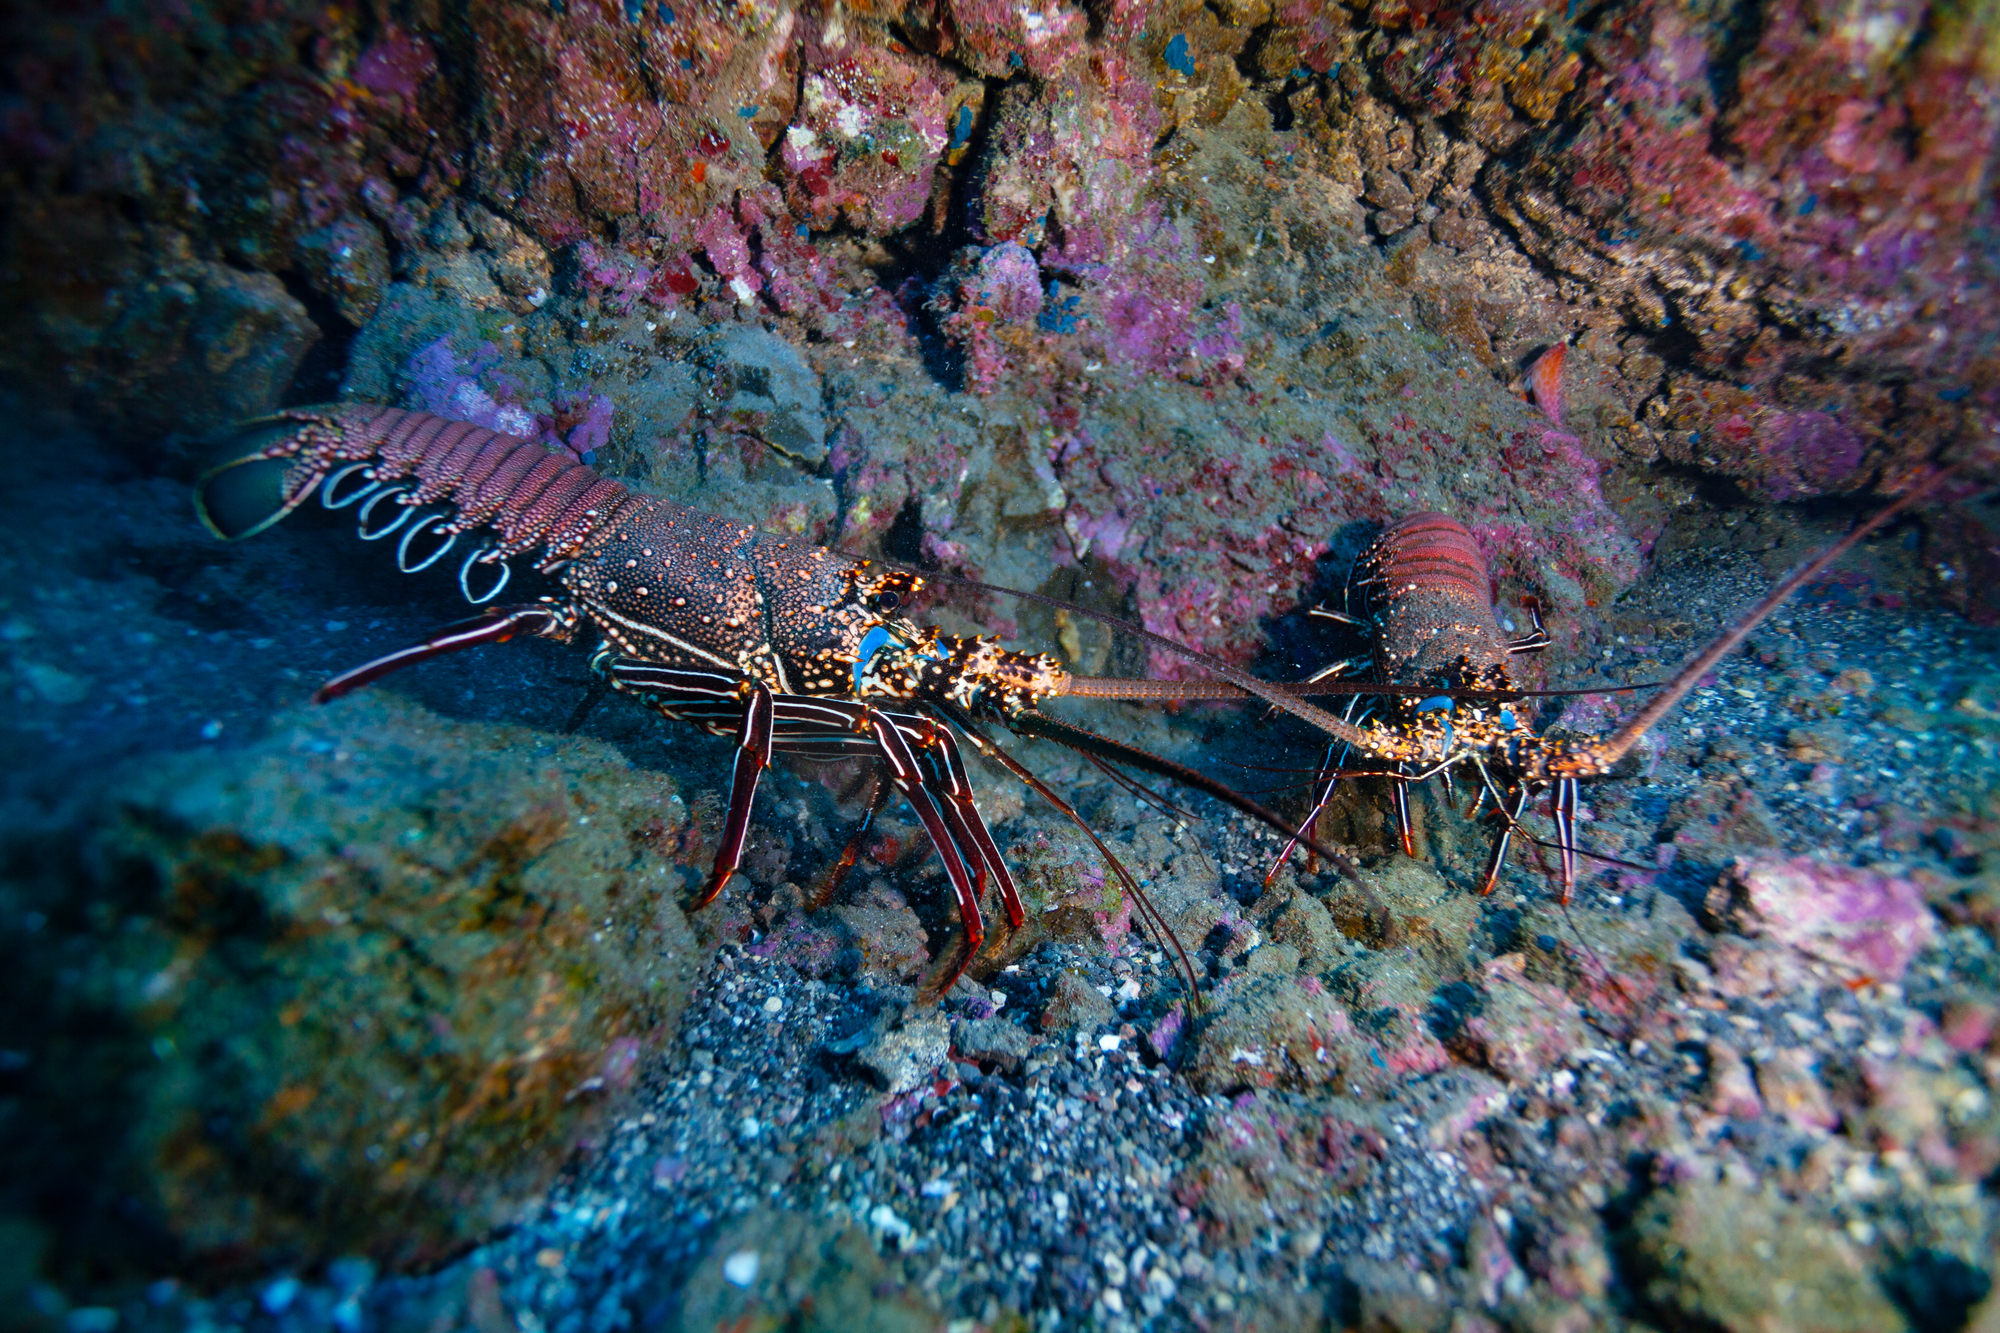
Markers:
<point>363,986</point>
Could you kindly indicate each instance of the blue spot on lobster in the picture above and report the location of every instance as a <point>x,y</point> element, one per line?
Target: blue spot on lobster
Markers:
<point>873,642</point>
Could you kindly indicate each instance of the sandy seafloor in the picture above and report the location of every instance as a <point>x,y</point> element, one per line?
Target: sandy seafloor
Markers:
<point>1756,1138</point>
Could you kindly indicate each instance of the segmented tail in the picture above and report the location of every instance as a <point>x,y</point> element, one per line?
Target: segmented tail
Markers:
<point>527,493</point>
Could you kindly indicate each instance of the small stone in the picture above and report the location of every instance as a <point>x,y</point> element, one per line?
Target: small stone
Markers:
<point>994,1041</point>
<point>1969,1025</point>
<point>740,1268</point>
<point>905,1056</point>
<point>1306,925</point>
<point>1074,1004</point>
<point>1730,1090</point>
<point>1719,1256</point>
<point>1791,1089</point>
<point>348,263</point>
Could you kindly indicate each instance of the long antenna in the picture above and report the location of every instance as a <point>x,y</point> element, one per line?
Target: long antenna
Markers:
<point>1319,717</point>
<point>1609,751</point>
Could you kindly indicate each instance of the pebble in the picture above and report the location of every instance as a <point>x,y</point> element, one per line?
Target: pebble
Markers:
<point>740,1268</point>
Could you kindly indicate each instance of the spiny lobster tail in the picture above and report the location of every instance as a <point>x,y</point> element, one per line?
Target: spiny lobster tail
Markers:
<point>529,494</point>
<point>1429,591</point>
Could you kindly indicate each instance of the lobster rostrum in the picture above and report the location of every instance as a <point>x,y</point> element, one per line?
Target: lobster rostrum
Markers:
<point>1449,699</point>
<point>788,647</point>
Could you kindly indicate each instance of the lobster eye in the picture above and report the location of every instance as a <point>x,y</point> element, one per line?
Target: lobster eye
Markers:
<point>887,601</point>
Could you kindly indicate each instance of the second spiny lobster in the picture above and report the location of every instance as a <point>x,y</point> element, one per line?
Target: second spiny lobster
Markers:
<point>785,646</point>
<point>1441,665</point>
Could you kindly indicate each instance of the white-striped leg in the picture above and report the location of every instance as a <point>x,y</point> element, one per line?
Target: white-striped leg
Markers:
<point>1399,789</point>
<point>908,775</point>
<point>1562,806</point>
<point>753,753</point>
<point>1510,819</point>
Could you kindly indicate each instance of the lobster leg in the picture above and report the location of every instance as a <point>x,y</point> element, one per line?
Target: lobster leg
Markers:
<point>924,764</point>
<point>753,753</point>
<point>830,729</point>
<point>829,883</point>
<point>1399,788</point>
<point>1562,806</point>
<point>956,787</point>
<point>1510,820</point>
<point>496,626</point>
<point>909,778</point>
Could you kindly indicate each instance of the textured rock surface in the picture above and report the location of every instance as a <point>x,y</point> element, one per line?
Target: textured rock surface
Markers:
<point>371,980</point>
<point>1158,308</point>
<point>1741,1262</point>
<point>1331,239</point>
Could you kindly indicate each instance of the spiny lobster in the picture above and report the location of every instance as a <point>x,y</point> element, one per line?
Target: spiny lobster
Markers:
<point>787,647</point>
<point>1441,661</point>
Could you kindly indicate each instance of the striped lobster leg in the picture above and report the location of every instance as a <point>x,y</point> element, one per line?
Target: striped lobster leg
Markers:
<point>921,757</point>
<point>753,756</point>
<point>495,626</point>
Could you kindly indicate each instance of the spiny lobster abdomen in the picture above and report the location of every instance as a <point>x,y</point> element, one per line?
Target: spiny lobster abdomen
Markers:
<point>528,494</point>
<point>1430,596</point>
<point>664,583</point>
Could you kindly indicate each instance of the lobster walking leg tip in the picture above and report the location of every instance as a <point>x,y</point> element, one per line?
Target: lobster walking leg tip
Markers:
<point>710,892</point>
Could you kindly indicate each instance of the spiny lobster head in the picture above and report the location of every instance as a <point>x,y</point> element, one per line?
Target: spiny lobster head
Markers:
<point>975,674</point>
<point>1442,731</point>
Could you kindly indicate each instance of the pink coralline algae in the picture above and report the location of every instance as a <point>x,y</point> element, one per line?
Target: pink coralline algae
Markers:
<point>441,383</point>
<point>1811,453</point>
<point>581,424</point>
<point>397,65</point>
<point>867,138</point>
<point>1858,919</point>
<point>989,300</point>
<point>475,390</point>
<point>1079,157</point>
<point>1003,37</point>
<point>1827,181</point>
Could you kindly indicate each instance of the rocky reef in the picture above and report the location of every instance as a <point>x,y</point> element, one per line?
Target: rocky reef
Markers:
<point>373,1015</point>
